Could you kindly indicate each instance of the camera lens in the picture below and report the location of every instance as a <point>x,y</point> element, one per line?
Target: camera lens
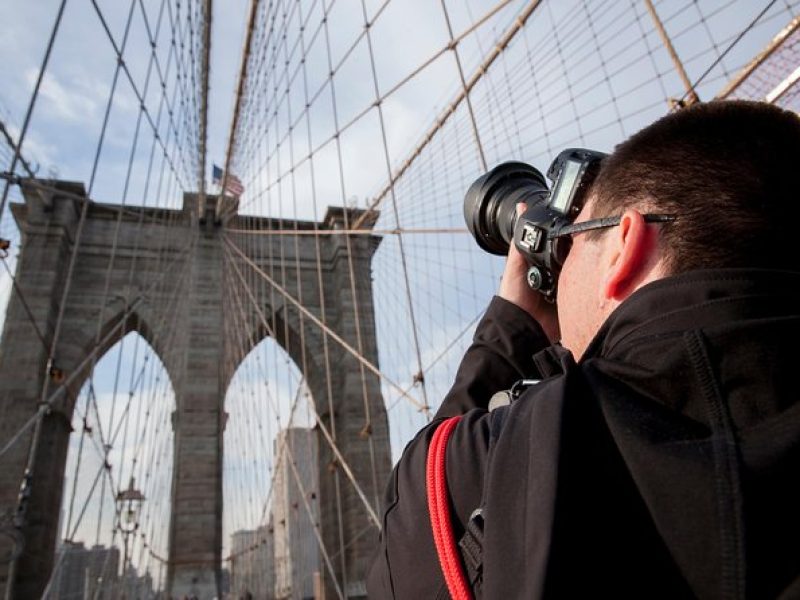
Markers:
<point>490,203</point>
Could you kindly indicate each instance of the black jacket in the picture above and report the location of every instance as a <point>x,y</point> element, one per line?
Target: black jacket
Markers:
<point>665,464</point>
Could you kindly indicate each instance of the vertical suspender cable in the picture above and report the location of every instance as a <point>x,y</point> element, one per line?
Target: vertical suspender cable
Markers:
<point>454,48</point>
<point>501,45</point>
<point>411,313</point>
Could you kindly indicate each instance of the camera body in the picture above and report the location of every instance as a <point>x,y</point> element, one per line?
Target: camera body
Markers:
<point>490,211</point>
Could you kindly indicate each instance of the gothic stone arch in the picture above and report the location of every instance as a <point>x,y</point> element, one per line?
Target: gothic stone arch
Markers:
<point>340,388</point>
<point>177,277</point>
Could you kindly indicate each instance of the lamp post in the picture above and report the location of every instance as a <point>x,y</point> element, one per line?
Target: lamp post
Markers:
<point>129,504</point>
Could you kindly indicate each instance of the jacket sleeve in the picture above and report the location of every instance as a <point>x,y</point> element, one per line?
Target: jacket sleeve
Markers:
<point>501,353</point>
<point>406,564</point>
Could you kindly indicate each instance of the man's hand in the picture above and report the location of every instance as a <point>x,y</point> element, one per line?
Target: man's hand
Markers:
<point>514,288</point>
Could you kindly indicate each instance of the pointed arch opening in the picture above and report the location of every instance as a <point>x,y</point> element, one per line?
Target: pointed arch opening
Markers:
<point>118,474</point>
<point>270,487</point>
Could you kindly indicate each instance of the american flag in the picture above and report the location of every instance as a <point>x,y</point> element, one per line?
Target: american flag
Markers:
<point>233,184</point>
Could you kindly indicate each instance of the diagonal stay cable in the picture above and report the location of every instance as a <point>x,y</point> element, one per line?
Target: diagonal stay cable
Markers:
<point>45,405</point>
<point>733,85</point>
<point>285,446</point>
<point>315,526</point>
<point>498,48</point>
<point>336,68</point>
<point>56,337</point>
<point>444,352</point>
<point>394,89</point>
<point>162,74</point>
<point>137,92</point>
<point>105,446</point>
<point>104,453</point>
<point>15,148</point>
<point>454,48</point>
<point>31,104</point>
<point>327,329</point>
<point>271,400</point>
<point>344,464</point>
<point>354,297</point>
<point>160,328</point>
<point>729,48</point>
<point>15,285</point>
<point>326,232</point>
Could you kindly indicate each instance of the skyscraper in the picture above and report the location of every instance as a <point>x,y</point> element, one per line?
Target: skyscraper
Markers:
<point>252,559</point>
<point>295,513</point>
<point>85,572</point>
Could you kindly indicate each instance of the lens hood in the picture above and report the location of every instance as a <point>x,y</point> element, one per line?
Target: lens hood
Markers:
<point>490,203</point>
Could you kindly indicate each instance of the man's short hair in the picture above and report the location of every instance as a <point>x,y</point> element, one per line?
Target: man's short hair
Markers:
<point>729,172</point>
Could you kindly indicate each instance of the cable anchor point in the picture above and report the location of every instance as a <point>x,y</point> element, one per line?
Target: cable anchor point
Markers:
<point>56,374</point>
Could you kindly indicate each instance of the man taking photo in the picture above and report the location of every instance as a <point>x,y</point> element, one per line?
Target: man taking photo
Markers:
<point>651,446</point>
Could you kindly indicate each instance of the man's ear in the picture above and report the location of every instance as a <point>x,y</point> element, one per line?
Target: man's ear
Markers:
<point>630,256</point>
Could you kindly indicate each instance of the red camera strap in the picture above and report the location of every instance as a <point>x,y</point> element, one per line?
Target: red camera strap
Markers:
<point>439,509</point>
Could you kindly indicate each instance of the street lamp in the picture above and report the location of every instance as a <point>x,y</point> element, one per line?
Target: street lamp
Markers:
<point>129,504</point>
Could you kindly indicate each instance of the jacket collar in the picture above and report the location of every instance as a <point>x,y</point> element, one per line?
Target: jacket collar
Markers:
<point>693,300</point>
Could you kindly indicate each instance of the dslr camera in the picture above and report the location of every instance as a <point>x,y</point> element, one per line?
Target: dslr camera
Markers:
<point>543,232</point>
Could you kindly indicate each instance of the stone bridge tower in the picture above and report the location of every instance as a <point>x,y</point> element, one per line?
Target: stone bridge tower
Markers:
<point>150,260</point>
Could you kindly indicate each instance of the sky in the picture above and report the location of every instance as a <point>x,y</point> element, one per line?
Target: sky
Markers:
<point>80,74</point>
<point>586,74</point>
<point>62,140</point>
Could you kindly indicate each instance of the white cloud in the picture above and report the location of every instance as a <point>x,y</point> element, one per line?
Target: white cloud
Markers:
<point>75,101</point>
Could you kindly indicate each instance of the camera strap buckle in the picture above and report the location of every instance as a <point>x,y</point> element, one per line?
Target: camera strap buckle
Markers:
<point>506,397</point>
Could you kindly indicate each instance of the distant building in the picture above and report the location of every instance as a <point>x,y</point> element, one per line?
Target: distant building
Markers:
<point>133,586</point>
<point>85,572</point>
<point>295,494</point>
<point>280,560</point>
<point>251,574</point>
<point>225,583</point>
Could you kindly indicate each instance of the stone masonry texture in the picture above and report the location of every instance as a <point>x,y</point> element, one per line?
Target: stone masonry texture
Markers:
<point>167,281</point>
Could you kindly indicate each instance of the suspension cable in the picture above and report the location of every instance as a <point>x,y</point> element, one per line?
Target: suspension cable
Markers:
<point>501,45</point>
<point>31,104</point>
<point>319,323</point>
<point>348,471</point>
